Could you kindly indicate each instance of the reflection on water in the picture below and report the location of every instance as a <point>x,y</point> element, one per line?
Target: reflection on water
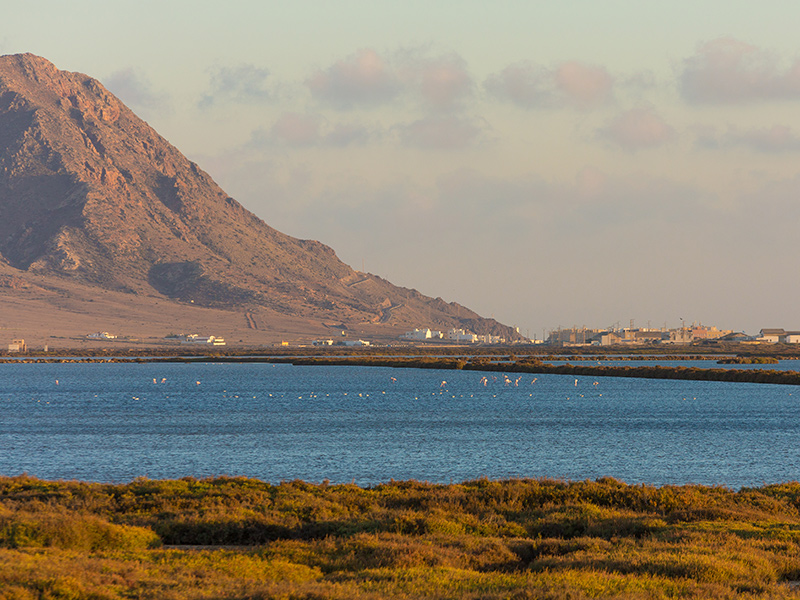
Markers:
<point>114,422</point>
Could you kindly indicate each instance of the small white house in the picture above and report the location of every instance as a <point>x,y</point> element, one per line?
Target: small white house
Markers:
<point>417,334</point>
<point>771,336</point>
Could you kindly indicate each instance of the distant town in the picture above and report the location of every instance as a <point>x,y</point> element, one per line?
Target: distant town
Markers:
<point>686,334</point>
<point>561,337</point>
<point>616,336</point>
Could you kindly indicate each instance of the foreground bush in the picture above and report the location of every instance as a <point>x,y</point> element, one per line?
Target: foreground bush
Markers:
<point>243,538</point>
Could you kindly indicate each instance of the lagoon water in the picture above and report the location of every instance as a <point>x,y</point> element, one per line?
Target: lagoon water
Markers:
<point>111,422</point>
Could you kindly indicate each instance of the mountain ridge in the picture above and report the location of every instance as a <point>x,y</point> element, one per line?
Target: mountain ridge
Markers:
<point>92,195</point>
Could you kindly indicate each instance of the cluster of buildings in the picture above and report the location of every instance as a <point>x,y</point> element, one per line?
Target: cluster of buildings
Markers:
<point>637,336</point>
<point>101,335</point>
<point>454,335</point>
<point>194,338</point>
<point>680,336</point>
<point>339,343</point>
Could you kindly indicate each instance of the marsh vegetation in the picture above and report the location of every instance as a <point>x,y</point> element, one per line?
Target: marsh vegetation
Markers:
<point>244,538</point>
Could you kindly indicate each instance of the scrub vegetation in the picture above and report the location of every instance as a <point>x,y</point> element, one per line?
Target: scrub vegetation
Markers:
<point>243,538</point>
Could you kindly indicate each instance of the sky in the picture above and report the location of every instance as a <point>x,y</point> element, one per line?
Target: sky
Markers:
<point>548,164</point>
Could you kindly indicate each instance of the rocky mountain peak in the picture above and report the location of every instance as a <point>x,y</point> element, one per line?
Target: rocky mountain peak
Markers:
<point>91,193</point>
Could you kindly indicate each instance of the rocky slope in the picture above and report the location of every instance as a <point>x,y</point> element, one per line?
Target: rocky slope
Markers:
<point>92,195</point>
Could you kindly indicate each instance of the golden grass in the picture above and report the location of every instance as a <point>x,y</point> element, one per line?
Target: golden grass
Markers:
<point>231,538</point>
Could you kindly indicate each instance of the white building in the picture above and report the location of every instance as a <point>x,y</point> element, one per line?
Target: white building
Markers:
<point>459,335</point>
<point>772,336</point>
<point>17,346</point>
<point>791,337</point>
<point>355,343</point>
<point>194,338</point>
<point>420,335</point>
<point>417,334</point>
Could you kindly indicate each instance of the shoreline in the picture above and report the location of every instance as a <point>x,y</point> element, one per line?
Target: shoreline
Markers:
<point>532,365</point>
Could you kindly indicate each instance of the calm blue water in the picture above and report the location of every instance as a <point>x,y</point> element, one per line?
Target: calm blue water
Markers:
<point>110,422</point>
<point>783,365</point>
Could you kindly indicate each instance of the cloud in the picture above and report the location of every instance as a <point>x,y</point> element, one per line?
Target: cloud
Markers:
<point>443,82</point>
<point>347,134</point>
<point>525,85</point>
<point>636,129</point>
<point>299,130</point>
<point>296,129</point>
<point>362,79</point>
<point>569,83</point>
<point>441,132</point>
<point>243,83</point>
<point>584,84</point>
<point>777,139</point>
<point>135,91</point>
<point>368,79</point>
<point>727,70</point>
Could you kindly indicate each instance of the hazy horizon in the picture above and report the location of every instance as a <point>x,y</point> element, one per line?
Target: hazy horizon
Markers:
<point>570,164</point>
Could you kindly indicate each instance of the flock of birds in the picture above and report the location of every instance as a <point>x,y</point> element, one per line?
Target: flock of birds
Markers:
<point>484,381</point>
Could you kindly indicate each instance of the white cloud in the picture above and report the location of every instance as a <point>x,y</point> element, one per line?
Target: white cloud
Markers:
<point>570,83</point>
<point>299,130</point>
<point>443,82</point>
<point>368,79</point>
<point>525,85</point>
<point>584,84</point>
<point>362,79</point>
<point>290,129</point>
<point>727,70</point>
<point>136,91</point>
<point>636,129</point>
<point>242,83</point>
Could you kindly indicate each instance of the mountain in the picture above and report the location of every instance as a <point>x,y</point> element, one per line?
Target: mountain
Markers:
<point>94,201</point>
